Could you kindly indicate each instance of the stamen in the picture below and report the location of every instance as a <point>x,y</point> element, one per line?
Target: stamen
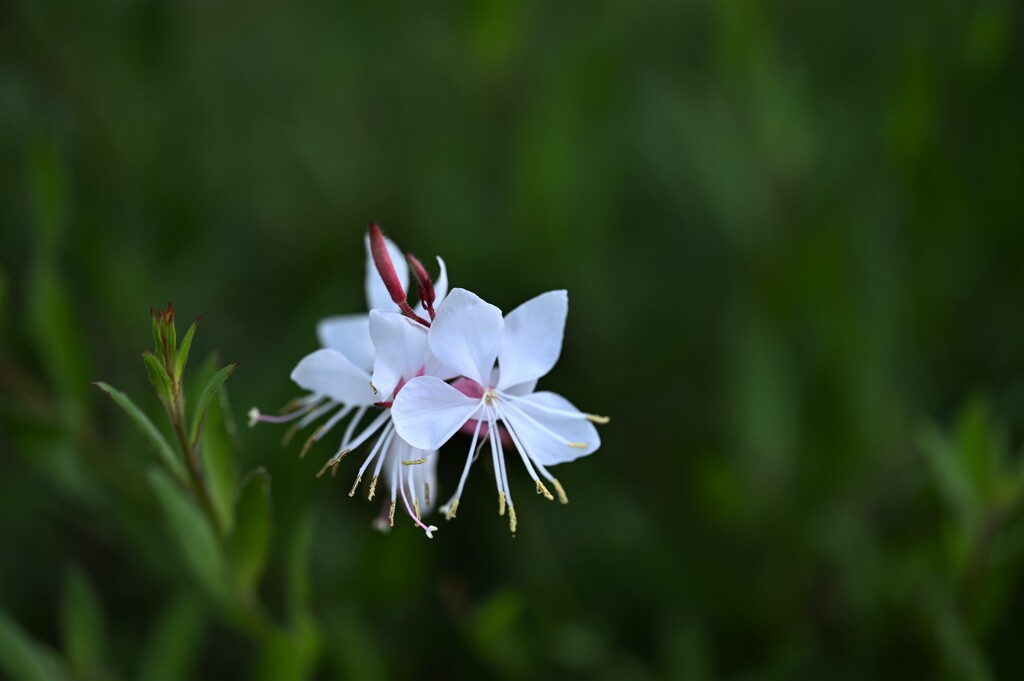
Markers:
<point>334,469</point>
<point>373,388</point>
<point>347,437</point>
<point>577,445</point>
<point>415,516</point>
<point>541,489</point>
<point>559,491</point>
<point>470,458</point>
<point>449,511</point>
<point>310,440</point>
<point>426,493</point>
<point>598,419</point>
<point>333,461</point>
<point>373,487</point>
<point>355,484</point>
<point>391,514</point>
<point>560,412</point>
<point>416,507</point>
<point>501,502</point>
<point>540,426</point>
<point>512,519</point>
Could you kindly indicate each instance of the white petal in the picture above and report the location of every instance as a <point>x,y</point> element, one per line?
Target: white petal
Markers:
<point>350,335</point>
<point>466,334</point>
<point>401,349</point>
<point>545,436</point>
<point>441,285</point>
<point>328,372</point>
<point>377,296</point>
<point>428,411</point>
<point>532,339</point>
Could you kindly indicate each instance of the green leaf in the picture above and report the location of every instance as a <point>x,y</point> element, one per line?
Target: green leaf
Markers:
<point>186,345</point>
<point>195,538</point>
<point>163,450</point>
<point>206,397</point>
<point>22,658</point>
<point>981,447</point>
<point>172,648</point>
<point>82,626</point>
<point>250,542</point>
<point>289,654</point>
<point>218,455</point>
<point>158,378</point>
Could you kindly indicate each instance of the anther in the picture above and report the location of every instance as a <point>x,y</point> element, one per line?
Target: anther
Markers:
<point>426,493</point>
<point>512,519</point>
<point>415,462</point>
<point>593,418</point>
<point>416,508</point>
<point>450,513</point>
<point>391,514</point>
<point>355,484</point>
<point>501,503</point>
<point>289,434</point>
<point>559,491</point>
<point>373,388</point>
<point>541,489</point>
<point>309,441</point>
<point>577,445</point>
<point>373,488</point>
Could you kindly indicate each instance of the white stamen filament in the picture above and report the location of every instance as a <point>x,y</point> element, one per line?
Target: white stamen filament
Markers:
<point>578,415</point>
<point>465,472</point>
<point>545,429</point>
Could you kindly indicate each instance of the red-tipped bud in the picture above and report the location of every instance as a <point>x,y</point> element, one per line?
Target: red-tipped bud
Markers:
<point>423,283</point>
<point>385,268</point>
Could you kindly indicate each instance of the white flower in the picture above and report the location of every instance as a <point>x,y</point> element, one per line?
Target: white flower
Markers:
<point>364,361</point>
<point>469,335</point>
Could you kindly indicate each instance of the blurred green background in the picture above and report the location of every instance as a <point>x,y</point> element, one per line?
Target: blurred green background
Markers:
<point>792,238</point>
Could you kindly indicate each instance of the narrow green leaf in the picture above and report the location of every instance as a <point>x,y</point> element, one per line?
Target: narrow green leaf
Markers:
<point>22,658</point>
<point>206,397</point>
<point>948,474</point>
<point>193,535</point>
<point>82,626</point>
<point>158,378</point>
<point>250,542</point>
<point>186,345</point>
<point>218,455</point>
<point>163,450</point>
<point>172,648</point>
<point>289,654</point>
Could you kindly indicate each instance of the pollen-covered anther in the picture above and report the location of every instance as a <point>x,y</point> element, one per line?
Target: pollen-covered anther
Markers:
<point>373,388</point>
<point>391,514</point>
<point>594,418</point>
<point>352,492</point>
<point>426,493</point>
<point>541,489</point>
<point>373,488</point>
<point>309,441</point>
<point>559,491</point>
<point>332,463</point>
<point>416,508</point>
<point>449,512</point>
<point>512,519</point>
<point>501,503</point>
<point>577,445</point>
<point>415,462</point>
<point>490,397</point>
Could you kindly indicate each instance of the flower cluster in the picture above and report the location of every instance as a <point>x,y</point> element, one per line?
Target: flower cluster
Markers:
<point>413,376</point>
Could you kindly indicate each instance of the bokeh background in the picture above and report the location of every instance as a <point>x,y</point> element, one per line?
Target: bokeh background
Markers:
<point>792,236</point>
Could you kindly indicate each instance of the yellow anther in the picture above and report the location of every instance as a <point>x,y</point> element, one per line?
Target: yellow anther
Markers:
<point>559,491</point>
<point>451,510</point>
<point>373,488</point>
<point>512,519</point>
<point>355,484</point>
<point>501,503</point>
<point>594,418</point>
<point>373,388</point>
<point>541,489</point>
<point>426,493</point>
<point>577,445</point>
<point>416,508</point>
<point>309,441</point>
<point>391,514</point>
<point>415,462</point>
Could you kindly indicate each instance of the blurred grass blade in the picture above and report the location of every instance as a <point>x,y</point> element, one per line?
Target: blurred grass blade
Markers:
<point>205,398</point>
<point>163,450</point>
<point>186,346</point>
<point>22,658</point>
<point>250,542</point>
<point>289,654</point>
<point>218,455</point>
<point>82,625</point>
<point>193,535</point>
<point>158,378</point>
<point>948,474</point>
<point>172,648</point>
